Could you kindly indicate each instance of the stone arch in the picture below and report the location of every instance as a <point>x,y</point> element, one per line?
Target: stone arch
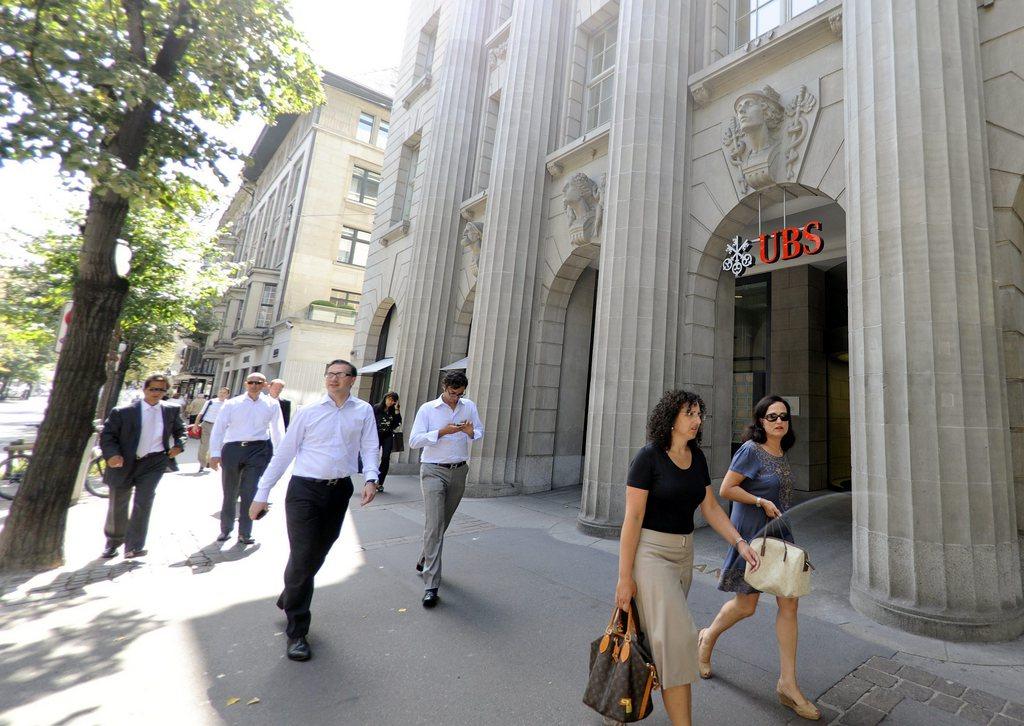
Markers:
<point>462,324</point>
<point>370,350</point>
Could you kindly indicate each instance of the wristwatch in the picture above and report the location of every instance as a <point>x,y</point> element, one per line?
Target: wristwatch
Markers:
<point>758,502</point>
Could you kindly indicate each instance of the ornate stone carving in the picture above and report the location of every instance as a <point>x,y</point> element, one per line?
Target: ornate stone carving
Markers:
<point>584,209</point>
<point>472,236</point>
<point>766,140</point>
<point>759,41</point>
<point>497,54</point>
<point>701,94</point>
<point>554,168</point>
<point>835,22</point>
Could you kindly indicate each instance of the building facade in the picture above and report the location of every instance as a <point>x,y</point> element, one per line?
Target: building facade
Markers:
<point>300,230</point>
<point>588,202</point>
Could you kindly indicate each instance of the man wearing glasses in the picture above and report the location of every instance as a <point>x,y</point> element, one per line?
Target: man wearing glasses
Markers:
<point>247,429</point>
<point>137,441</point>
<point>325,439</point>
<point>444,429</point>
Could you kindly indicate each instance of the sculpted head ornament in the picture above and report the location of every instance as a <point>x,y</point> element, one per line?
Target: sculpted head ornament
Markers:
<point>581,197</point>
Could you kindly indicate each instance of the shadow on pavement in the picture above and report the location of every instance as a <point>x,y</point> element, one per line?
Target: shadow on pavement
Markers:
<point>209,556</point>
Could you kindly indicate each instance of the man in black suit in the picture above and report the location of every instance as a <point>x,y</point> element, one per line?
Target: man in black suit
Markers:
<point>276,386</point>
<point>138,441</point>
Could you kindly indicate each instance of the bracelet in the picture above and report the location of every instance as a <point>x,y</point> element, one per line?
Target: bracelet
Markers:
<point>758,503</point>
<point>738,540</point>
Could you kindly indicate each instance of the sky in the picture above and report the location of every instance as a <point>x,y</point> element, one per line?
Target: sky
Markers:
<point>353,38</point>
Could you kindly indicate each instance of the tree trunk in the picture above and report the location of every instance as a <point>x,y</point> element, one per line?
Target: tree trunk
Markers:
<point>103,406</point>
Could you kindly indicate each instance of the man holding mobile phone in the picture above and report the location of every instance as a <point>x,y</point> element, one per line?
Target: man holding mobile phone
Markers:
<point>444,429</point>
<point>325,439</point>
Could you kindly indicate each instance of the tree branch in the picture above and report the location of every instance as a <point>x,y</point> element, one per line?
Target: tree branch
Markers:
<point>174,46</point>
<point>136,29</point>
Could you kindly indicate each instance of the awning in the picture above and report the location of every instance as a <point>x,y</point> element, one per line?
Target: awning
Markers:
<point>377,366</point>
<point>460,365</point>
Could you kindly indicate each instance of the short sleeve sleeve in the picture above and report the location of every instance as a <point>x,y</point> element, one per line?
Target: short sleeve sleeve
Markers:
<point>641,470</point>
<point>746,461</point>
<point>701,462</point>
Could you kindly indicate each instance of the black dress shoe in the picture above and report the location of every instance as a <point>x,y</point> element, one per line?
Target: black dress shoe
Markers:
<point>246,539</point>
<point>430,598</point>
<point>419,566</point>
<point>108,553</point>
<point>298,649</point>
<point>223,536</point>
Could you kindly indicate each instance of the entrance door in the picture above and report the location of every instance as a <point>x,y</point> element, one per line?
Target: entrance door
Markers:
<point>751,350</point>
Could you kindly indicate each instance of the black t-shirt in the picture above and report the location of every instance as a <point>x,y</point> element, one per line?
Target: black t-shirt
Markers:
<point>672,493</point>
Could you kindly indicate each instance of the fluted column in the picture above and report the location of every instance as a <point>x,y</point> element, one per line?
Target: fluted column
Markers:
<point>935,546</point>
<point>638,325</point>
<point>447,156</point>
<point>503,311</point>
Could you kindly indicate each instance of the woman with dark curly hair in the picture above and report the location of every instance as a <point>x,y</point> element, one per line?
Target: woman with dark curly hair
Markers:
<point>760,485</point>
<point>668,479</point>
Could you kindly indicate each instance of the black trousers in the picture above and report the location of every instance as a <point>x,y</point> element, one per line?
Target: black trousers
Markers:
<point>141,478</point>
<point>314,513</point>
<point>386,444</point>
<point>241,469</point>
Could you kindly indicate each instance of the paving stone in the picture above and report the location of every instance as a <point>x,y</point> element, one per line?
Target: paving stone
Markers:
<point>884,699</point>
<point>847,692</point>
<point>861,715</point>
<point>914,690</point>
<point>828,714</point>
<point>1014,710</point>
<point>950,688</point>
<point>976,714</point>
<point>886,665</point>
<point>946,703</point>
<point>877,677</point>
<point>1003,720</point>
<point>984,699</point>
<point>916,675</point>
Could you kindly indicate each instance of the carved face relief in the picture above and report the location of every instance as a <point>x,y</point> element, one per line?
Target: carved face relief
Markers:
<point>750,113</point>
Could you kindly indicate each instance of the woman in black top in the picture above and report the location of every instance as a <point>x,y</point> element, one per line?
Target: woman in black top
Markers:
<point>668,479</point>
<point>389,418</point>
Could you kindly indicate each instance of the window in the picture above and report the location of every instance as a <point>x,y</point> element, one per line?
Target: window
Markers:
<point>412,162</point>
<point>267,302</point>
<point>364,186</point>
<point>382,133</point>
<point>238,316</point>
<point>355,246</point>
<point>364,129</point>
<point>754,18</point>
<point>345,298</point>
<point>428,40</point>
<point>601,76</point>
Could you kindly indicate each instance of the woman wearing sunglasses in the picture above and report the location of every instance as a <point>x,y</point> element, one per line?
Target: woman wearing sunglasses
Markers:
<point>760,485</point>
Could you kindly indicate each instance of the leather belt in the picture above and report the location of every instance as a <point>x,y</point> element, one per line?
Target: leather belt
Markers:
<point>248,443</point>
<point>152,453</point>
<point>456,465</point>
<point>326,482</point>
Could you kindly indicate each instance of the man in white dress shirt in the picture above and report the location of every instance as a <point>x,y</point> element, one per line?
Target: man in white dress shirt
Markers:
<point>247,429</point>
<point>325,439</point>
<point>444,429</point>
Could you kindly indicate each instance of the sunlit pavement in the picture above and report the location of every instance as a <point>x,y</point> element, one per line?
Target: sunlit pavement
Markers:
<point>190,634</point>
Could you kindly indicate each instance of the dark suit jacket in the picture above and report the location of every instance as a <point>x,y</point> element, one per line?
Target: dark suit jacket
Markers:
<point>121,433</point>
<point>286,410</point>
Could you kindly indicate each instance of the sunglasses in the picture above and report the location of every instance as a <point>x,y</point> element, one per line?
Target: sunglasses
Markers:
<point>157,390</point>
<point>254,383</point>
<point>340,374</point>
<point>773,417</point>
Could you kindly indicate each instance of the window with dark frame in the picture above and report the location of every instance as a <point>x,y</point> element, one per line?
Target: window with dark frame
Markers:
<point>364,128</point>
<point>345,298</point>
<point>382,133</point>
<point>267,302</point>
<point>365,184</point>
<point>355,246</point>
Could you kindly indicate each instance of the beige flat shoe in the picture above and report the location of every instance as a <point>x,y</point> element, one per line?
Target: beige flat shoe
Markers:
<point>803,710</point>
<point>703,667</point>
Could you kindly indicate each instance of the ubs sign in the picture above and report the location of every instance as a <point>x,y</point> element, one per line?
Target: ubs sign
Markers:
<point>787,243</point>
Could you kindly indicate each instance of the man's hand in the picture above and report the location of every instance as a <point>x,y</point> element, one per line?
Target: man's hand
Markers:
<point>175,450</point>
<point>255,508</point>
<point>214,462</point>
<point>467,429</point>
<point>115,462</point>
<point>369,491</point>
<point>449,429</point>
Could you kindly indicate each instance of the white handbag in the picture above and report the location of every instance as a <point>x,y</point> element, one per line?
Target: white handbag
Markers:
<point>785,569</point>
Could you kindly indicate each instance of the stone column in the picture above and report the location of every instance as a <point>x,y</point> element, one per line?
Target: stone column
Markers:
<point>447,157</point>
<point>934,543</point>
<point>503,310</point>
<point>638,326</point>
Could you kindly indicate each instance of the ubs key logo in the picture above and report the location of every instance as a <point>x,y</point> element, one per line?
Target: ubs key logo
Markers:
<point>787,243</point>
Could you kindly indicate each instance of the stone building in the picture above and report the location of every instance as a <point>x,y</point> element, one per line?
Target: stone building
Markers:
<point>300,229</point>
<point>588,202</point>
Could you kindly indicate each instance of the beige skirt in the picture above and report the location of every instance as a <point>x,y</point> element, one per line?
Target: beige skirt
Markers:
<point>663,570</point>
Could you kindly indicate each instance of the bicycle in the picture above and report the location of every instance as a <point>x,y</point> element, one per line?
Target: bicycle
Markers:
<point>13,468</point>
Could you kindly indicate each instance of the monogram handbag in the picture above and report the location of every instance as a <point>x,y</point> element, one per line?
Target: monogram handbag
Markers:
<point>622,673</point>
<point>785,569</point>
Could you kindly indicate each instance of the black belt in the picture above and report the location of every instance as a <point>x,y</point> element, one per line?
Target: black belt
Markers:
<point>152,453</point>
<point>456,465</point>
<point>248,443</point>
<point>325,482</point>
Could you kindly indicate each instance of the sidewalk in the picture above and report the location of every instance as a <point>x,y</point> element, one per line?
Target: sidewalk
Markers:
<point>178,636</point>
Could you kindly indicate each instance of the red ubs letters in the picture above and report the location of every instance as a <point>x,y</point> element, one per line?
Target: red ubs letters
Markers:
<point>786,243</point>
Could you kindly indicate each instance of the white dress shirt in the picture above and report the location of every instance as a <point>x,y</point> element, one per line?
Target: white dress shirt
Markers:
<point>211,410</point>
<point>243,419</point>
<point>326,440</point>
<point>151,436</point>
<point>434,416</point>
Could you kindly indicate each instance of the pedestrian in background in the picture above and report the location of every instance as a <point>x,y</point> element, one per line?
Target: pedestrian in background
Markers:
<point>325,440</point>
<point>194,407</point>
<point>388,414</point>
<point>444,429</point>
<point>206,419</point>
<point>247,429</point>
<point>137,442</point>
<point>760,485</point>
<point>668,480</point>
<point>275,388</point>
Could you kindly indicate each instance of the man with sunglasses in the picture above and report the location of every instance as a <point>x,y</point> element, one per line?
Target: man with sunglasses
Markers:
<point>138,440</point>
<point>247,429</point>
<point>325,439</point>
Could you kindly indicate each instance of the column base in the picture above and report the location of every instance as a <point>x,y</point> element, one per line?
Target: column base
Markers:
<point>604,530</point>
<point>993,628</point>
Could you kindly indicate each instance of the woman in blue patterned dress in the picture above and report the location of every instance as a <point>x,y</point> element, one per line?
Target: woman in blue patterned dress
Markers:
<point>760,485</point>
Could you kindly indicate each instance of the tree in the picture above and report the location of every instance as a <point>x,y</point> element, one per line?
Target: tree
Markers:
<point>118,92</point>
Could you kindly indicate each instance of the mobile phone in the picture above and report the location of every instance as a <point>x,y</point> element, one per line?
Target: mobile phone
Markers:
<point>263,513</point>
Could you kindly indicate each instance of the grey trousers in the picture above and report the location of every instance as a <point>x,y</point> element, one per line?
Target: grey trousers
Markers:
<point>204,443</point>
<point>442,492</point>
<point>141,482</point>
